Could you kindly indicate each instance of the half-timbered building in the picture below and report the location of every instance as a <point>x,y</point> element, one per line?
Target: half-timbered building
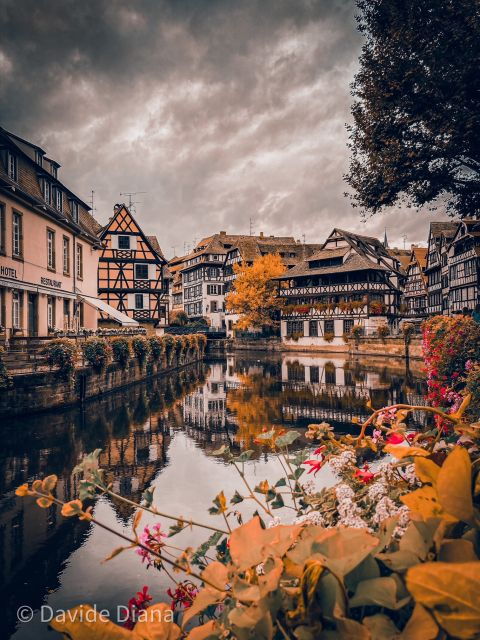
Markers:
<point>464,266</point>
<point>436,268</point>
<point>415,289</point>
<point>352,280</point>
<point>132,271</point>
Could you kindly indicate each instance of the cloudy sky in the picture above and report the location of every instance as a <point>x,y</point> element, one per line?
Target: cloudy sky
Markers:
<point>219,110</point>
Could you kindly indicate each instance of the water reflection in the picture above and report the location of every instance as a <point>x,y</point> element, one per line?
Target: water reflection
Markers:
<point>159,434</point>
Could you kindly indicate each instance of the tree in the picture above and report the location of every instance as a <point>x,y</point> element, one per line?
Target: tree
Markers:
<point>416,132</point>
<point>178,318</point>
<point>254,295</point>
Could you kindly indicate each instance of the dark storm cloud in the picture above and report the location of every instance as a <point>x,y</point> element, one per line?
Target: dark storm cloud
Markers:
<point>219,110</point>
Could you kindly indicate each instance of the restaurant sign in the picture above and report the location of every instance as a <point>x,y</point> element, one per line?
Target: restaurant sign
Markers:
<point>48,282</point>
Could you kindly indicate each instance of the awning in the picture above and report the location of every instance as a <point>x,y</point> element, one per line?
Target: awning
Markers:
<point>102,306</point>
<point>34,288</point>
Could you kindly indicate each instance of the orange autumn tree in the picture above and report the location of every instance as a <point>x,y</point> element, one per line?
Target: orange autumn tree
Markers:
<point>254,294</point>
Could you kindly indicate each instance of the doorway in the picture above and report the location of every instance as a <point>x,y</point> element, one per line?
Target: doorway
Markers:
<point>32,314</point>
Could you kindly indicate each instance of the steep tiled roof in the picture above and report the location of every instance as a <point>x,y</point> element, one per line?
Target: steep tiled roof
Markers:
<point>354,262</point>
<point>446,229</point>
<point>326,254</point>
<point>155,245</point>
<point>27,186</point>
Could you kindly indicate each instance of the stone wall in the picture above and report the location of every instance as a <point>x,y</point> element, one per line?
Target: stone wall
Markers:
<point>41,391</point>
<point>387,346</point>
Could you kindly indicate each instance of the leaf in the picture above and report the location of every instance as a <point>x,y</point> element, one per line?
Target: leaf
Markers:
<point>117,552</point>
<point>268,435</point>
<point>278,503</point>
<point>380,627</point>
<point>262,487</point>
<point>426,470</point>
<point>457,551</point>
<point>217,574</point>
<point>344,548</point>
<point>452,592</point>
<point>72,508</point>
<point>22,490</point>
<point>287,438</point>
<point>236,498</point>
<point>221,451</point>
<point>244,456</point>
<point>45,502</point>
<point>381,592</point>
<point>454,485</point>
<point>204,598</point>
<point>425,502</point>
<point>348,629</point>
<point>136,520</point>
<point>147,497</point>
<point>203,632</point>
<point>85,623</point>
<point>156,624</point>
<point>244,591</point>
<point>221,504</point>
<point>400,451</point>
<point>281,483</point>
<point>421,626</point>
<point>49,483</point>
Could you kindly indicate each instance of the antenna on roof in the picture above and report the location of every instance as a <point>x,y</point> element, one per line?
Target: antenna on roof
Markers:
<point>92,201</point>
<point>252,220</point>
<point>404,240</point>
<point>131,201</point>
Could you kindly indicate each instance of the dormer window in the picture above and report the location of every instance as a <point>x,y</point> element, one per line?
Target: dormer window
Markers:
<point>12,167</point>
<point>74,206</point>
<point>39,158</point>
<point>53,170</point>
<point>58,199</point>
<point>47,191</point>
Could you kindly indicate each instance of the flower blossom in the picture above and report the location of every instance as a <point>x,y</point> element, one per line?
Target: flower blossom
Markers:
<point>184,595</point>
<point>315,466</point>
<point>136,604</point>
<point>364,475</point>
<point>152,539</point>
<point>395,438</point>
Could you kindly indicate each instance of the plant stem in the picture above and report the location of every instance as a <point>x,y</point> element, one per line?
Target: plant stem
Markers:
<point>254,497</point>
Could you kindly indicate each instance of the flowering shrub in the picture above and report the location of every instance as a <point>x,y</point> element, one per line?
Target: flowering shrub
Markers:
<point>141,348</point>
<point>121,350</point>
<point>97,352</point>
<point>451,346</point>
<point>357,332</point>
<point>5,379</point>
<point>329,336</point>
<point>201,342</point>
<point>62,353</point>
<point>169,344</point>
<point>156,348</point>
<point>383,331</point>
<point>376,308</point>
<point>388,552</point>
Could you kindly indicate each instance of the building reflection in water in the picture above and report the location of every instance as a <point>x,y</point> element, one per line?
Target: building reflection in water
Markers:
<point>225,401</point>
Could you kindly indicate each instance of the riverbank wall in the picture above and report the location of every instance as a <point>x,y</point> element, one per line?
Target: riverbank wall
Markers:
<point>364,346</point>
<point>45,390</point>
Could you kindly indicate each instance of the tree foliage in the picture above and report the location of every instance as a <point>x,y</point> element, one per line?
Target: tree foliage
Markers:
<point>416,132</point>
<point>254,295</point>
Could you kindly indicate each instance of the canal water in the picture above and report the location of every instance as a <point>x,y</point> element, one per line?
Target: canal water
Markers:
<point>160,434</point>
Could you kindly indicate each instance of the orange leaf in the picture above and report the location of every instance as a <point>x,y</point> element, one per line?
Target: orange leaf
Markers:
<point>72,508</point>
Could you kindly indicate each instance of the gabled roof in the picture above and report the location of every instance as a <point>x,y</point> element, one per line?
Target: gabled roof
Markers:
<point>354,262</point>
<point>325,254</point>
<point>439,228</point>
<point>150,241</point>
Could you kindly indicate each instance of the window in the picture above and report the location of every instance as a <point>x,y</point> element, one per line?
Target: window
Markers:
<point>17,235</point>
<point>313,328</point>
<point>79,261</point>
<point>295,328</point>
<point>139,301</point>
<point>66,314</point>
<point>58,199</point>
<point>2,228</point>
<point>12,166</point>
<point>347,326</point>
<point>16,309</point>
<point>50,249</point>
<point>74,210</point>
<point>141,270</point>
<point>53,170</point>
<point>66,255</point>
<point>51,311</point>
<point>330,373</point>
<point>47,191</point>
<point>39,158</point>
<point>314,374</point>
<point>213,306</point>
<point>295,372</point>
<point>214,289</point>
<point>124,242</point>
<point>329,326</point>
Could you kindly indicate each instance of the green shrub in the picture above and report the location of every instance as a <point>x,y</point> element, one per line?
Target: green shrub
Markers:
<point>121,350</point>
<point>97,352</point>
<point>156,348</point>
<point>5,379</point>
<point>62,353</point>
<point>141,348</point>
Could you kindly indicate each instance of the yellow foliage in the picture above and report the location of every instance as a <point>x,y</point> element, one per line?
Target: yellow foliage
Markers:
<point>254,294</point>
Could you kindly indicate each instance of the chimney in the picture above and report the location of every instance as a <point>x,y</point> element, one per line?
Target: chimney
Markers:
<point>223,233</point>
<point>261,234</point>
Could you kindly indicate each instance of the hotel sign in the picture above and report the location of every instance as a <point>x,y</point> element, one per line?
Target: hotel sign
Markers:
<point>48,282</point>
<point>8,272</point>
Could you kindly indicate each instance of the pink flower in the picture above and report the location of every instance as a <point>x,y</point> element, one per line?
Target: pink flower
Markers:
<point>315,466</point>
<point>395,438</point>
<point>364,475</point>
<point>152,539</point>
<point>319,451</point>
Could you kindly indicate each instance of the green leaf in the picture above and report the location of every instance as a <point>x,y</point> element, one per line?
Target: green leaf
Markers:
<point>236,498</point>
<point>244,456</point>
<point>222,451</point>
<point>147,497</point>
<point>287,438</point>
<point>281,483</point>
<point>86,490</point>
<point>268,435</point>
<point>278,503</point>
<point>381,592</point>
